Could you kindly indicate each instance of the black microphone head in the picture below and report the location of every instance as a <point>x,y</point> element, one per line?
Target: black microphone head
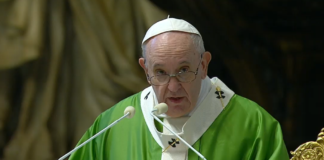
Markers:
<point>130,110</point>
<point>160,108</point>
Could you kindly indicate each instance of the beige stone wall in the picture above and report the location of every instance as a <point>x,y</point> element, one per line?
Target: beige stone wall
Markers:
<point>61,64</point>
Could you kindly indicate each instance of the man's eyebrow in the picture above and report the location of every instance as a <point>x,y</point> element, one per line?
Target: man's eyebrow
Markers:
<point>185,62</point>
<point>157,65</point>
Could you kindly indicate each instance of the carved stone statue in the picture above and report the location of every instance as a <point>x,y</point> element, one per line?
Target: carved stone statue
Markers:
<point>310,150</point>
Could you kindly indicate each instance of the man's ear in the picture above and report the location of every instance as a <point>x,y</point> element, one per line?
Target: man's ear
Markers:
<point>141,62</point>
<point>206,57</point>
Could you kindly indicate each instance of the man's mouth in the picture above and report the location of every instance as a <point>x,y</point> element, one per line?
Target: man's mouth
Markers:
<point>176,99</point>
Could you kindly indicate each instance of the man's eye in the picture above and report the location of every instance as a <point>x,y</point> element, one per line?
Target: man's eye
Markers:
<point>160,72</point>
<point>184,69</point>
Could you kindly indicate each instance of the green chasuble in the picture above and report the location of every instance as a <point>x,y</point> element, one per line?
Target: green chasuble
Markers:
<point>243,130</point>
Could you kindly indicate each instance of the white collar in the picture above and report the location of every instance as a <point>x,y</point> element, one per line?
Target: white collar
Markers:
<point>204,90</point>
<point>204,115</point>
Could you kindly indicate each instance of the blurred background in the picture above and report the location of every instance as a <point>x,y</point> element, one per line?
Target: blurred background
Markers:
<point>63,62</point>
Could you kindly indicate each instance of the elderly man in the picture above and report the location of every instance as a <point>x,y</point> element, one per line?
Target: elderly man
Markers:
<point>209,116</point>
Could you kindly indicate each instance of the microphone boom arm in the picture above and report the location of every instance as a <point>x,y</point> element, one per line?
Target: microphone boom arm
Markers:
<point>96,135</point>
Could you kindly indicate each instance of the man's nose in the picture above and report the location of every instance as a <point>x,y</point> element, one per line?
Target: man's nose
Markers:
<point>174,84</point>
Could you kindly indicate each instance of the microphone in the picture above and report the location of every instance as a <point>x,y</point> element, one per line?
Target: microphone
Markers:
<point>162,108</point>
<point>128,112</point>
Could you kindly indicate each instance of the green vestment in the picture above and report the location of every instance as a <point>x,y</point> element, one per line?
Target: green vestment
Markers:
<point>243,130</point>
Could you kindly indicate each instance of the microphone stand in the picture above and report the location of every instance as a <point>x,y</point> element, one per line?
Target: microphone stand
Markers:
<point>96,135</point>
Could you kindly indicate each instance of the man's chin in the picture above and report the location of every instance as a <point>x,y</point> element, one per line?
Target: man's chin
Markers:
<point>175,113</point>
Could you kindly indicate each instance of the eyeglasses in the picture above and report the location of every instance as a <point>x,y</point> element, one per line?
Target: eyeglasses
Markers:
<point>183,77</point>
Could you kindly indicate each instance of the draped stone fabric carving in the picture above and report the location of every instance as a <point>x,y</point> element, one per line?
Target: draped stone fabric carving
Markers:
<point>61,64</point>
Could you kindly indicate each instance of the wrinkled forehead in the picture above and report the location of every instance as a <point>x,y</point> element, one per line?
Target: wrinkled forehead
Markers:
<point>170,42</point>
<point>171,49</point>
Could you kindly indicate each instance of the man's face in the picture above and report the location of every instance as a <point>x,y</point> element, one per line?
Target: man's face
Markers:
<point>170,53</point>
